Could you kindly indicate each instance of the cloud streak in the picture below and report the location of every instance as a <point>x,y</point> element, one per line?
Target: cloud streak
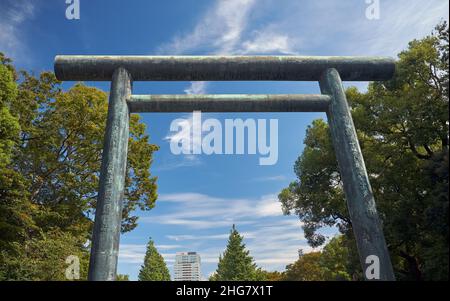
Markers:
<point>200,211</point>
<point>218,30</point>
<point>222,30</point>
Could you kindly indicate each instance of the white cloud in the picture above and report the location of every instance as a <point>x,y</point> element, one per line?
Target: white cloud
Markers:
<point>132,253</point>
<point>200,211</point>
<point>12,16</point>
<point>271,178</point>
<point>135,253</point>
<point>185,161</point>
<point>221,31</point>
<point>197,237</point>
<point>266,41</point>
<point>329,27</point>
<point>196,88</point>
<point>268,206</point>
<point>172,219</point>
<point>220,28</point>
<point>400,22</point>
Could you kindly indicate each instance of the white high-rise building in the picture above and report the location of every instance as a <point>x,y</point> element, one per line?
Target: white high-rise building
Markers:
<point>187,267</point>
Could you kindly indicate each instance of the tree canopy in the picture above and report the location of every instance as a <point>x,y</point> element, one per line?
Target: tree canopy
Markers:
<point>402,125</point>
<point>154,267</point>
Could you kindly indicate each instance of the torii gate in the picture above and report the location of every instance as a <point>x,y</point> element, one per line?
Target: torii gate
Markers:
<point>328,71</point>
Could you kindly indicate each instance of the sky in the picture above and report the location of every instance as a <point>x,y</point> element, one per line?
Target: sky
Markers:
<point>201,196</point>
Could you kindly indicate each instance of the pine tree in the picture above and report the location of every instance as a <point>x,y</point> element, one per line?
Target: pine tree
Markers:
<point>154,267</point>
<point>236,264</point>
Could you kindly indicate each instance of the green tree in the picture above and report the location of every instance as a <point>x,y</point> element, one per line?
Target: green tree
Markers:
<point>43,258</point>
<point>269,276</point>
<point>402,125</point>
<point>16,211</point>
<point>306,268</point>
<point>330,264</point>
<point>154,267</point>
<point>50,154</point>
<point>335,259</point>
<point>120,277</point>
<point>236,264</point>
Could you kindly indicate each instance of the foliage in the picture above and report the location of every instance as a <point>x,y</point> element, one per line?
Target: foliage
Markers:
<point>329,264</point>
<point>236,264</point>
<point>335,258</point>
<point>50,152</point>
<point>269,276</point>
<point>402,126</point>
<point>154,267</point>
<point>121,277</point>
<point>306,268</point>
<point>44,258</point>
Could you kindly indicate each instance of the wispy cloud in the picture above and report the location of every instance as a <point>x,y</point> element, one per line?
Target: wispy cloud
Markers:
<point>181,162</point>
<point>329,27</point>
<point>270,178</point>
<point>200,211</point>
<point>197,237</point>
<point>224,30</point>
<point>218,30</point>
<point>13,13</point>
<point>135,253</point>
<point>400,22</point>
<point>267,41</point>
<point>196,88</point>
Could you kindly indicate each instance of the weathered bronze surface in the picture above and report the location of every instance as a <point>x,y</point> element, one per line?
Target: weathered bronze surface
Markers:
<point>108,215</point>
<point>229,103</point>
<point>358,192</point>
<point>222,68</point>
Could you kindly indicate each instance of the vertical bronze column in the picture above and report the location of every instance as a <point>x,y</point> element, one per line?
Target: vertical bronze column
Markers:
<point>358,192</point>
<point>108,216</point>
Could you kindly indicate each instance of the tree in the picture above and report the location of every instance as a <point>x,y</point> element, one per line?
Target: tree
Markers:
<point>120,277</point>
<point>236,264</point>
<point>270,276</point>
<point>335,260</point>
<point>43,258</point>
<point>330,264</point>
<point>15,220</point>
<point>61,146</point>
<point>306,268</point>
<point>154,267</point>
<point>50,154</point>
<point>402,125</point>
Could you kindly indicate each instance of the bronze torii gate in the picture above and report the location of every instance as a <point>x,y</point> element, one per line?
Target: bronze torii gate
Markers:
<point>328,71</point>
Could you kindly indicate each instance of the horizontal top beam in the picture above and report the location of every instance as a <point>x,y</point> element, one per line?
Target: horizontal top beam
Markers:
<point>222,68</point>
<point>229,103</point>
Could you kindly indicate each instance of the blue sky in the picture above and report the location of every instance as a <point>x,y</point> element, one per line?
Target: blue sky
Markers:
<point>200,197</point>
